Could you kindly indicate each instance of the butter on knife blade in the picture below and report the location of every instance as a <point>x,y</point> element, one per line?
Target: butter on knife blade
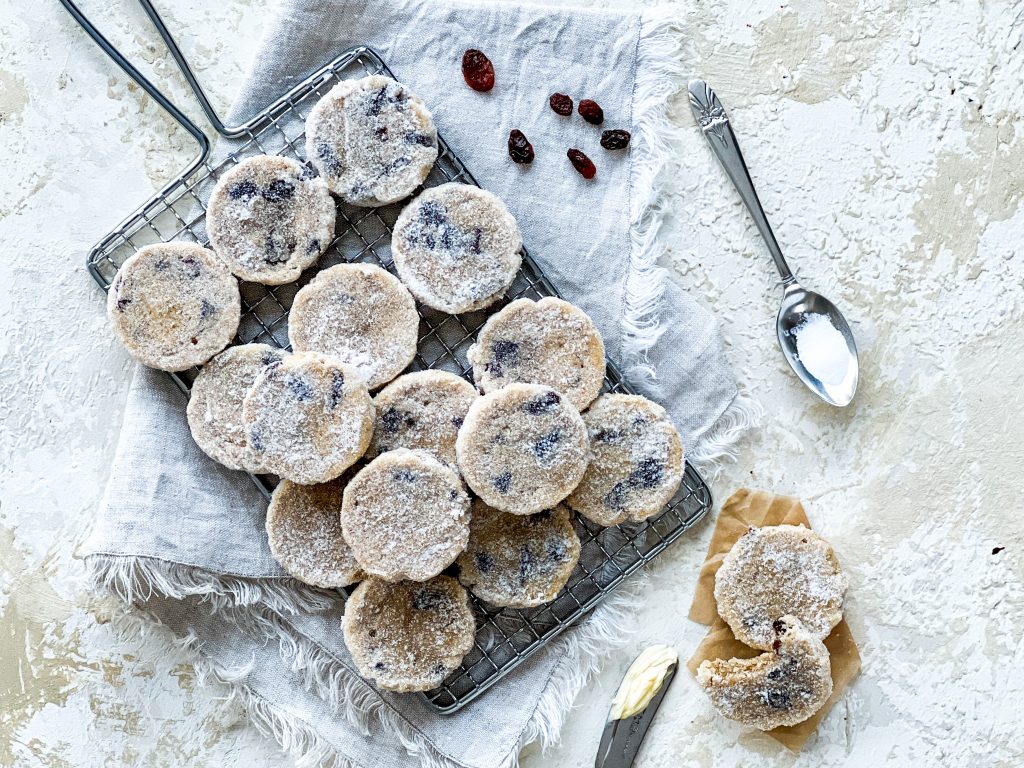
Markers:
<point>642,681</point>
<point>635,705</point>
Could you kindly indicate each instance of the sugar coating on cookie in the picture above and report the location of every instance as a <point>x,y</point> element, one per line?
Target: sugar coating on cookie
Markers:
<point>309,417</point>
<point>406,516</point>
<point>270,218</point>
<point>360,314</point>
<point>422,410</point>
<point>456,247</point>
<point>776,571</point>
<point>174,305</point>
<point>372,140</point>
<point>215,404</point>
<point>636,464</point>
<point>523,448</point>
<point>408,636</point>
<point>541,342</point>
<point>784,686</point>
<point>304,532</point>
<point>518,561</point>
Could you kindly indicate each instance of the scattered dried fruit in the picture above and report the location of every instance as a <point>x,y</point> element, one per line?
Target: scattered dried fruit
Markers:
<point>519,147</point>
<point>615,139</point>
<point>561,103</point>
<point>478,70</point>
<point>582,163</point>
<point>591,111</point>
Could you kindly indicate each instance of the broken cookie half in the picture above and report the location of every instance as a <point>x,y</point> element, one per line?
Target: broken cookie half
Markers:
<point>783,686</point>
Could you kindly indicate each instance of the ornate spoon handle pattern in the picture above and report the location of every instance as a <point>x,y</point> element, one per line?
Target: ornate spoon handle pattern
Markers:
<point>714,122</point>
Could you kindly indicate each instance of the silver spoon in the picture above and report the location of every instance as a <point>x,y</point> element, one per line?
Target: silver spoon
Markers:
<point>829,364</point>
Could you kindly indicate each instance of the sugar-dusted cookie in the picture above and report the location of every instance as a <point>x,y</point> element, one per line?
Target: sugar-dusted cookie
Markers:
<point>409,635</point>
<point>372,140</point>
<point>405,515</point>
<point>304,531</point>
<point>784,686</point>
<point>541,342</point>
<point>422,410</point>
<point>174,305</point>
<point>215,404</point>
<point>522,448</point>
<point>269,218</point>
<point>360,314</point>
<point>776,571</point>
<point>309,417</point>
<point>518,561</point>
<point>637,462</point>
<point>456,247</point>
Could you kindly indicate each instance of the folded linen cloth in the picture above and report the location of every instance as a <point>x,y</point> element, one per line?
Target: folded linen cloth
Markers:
<point>181,539</point>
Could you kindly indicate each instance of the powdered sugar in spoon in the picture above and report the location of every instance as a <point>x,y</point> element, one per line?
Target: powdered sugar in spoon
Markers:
<point>813,334</point>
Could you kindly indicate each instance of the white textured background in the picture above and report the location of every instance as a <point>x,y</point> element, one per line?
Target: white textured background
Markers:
<point>886,140</point>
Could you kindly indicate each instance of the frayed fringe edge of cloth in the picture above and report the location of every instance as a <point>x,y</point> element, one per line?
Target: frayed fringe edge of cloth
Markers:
<point>134,580</point>
<point>655,142</point>
<point>719,444</point>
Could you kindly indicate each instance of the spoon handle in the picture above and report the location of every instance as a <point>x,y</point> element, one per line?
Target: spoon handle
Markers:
<point>711,117</point>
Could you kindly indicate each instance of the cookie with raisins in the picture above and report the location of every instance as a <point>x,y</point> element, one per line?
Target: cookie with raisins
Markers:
<point>523,448</point>
<point>270,218</point>
<point>457,248</point>
<point>784,686</point>
<point>309,417</point>
<point>408,635</point>
<point>372,140</point>
<point>304,532</point>
<point>637,461</point>
<point>422,410</point>
<point>360,314</point>
<point>405,515</point>
<point>174,305</point>
<point>518,561</point>
<point>215,404</point>
<point>541,342</point>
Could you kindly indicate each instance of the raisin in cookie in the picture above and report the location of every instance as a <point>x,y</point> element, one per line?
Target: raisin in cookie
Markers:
<point>406,516</point>
<point>518,561</point>
<point>422,410</point>
<point>309,417</point>
<point>174,305</point>
<point>637,462</point>
<point>541,342</point>
<point>776,571</point>
<point>360,314</point>
<point>456,247</point>
<point>784,686</point>
<point>372,140</point>
<point>269,218</point>
<point>304,531</point>
<point>215,404</point>
<point>408,636</point>
<point>522,448</point>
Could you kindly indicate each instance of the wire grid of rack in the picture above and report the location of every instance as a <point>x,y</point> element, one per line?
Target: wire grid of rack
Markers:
<point>505,637</point>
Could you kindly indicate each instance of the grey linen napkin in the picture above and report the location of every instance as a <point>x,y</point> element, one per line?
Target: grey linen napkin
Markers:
<point>181,539</point>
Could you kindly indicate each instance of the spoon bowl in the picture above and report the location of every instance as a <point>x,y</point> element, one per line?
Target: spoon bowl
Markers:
<point>825,359</point>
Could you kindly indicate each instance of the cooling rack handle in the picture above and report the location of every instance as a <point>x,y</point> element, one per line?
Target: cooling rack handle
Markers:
<point>138,77</point>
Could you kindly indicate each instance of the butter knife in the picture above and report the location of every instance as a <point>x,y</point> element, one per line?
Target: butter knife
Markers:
<point>622,738</point>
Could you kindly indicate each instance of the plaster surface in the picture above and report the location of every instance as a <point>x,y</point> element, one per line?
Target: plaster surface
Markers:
<point>885,137</point>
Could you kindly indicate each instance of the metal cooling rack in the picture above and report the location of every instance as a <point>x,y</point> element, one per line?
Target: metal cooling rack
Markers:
<point>505,637</point>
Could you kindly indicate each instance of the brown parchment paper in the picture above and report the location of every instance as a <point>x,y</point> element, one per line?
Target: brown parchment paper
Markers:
<point>744,509</point>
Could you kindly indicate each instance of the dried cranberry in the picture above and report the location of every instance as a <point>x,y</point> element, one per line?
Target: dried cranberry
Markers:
<point>582,163</point>
<point>561,103</point>
<point>591,112</point>
<point>519,148</point>
<point>615,139</point>
<point>478,70</point>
